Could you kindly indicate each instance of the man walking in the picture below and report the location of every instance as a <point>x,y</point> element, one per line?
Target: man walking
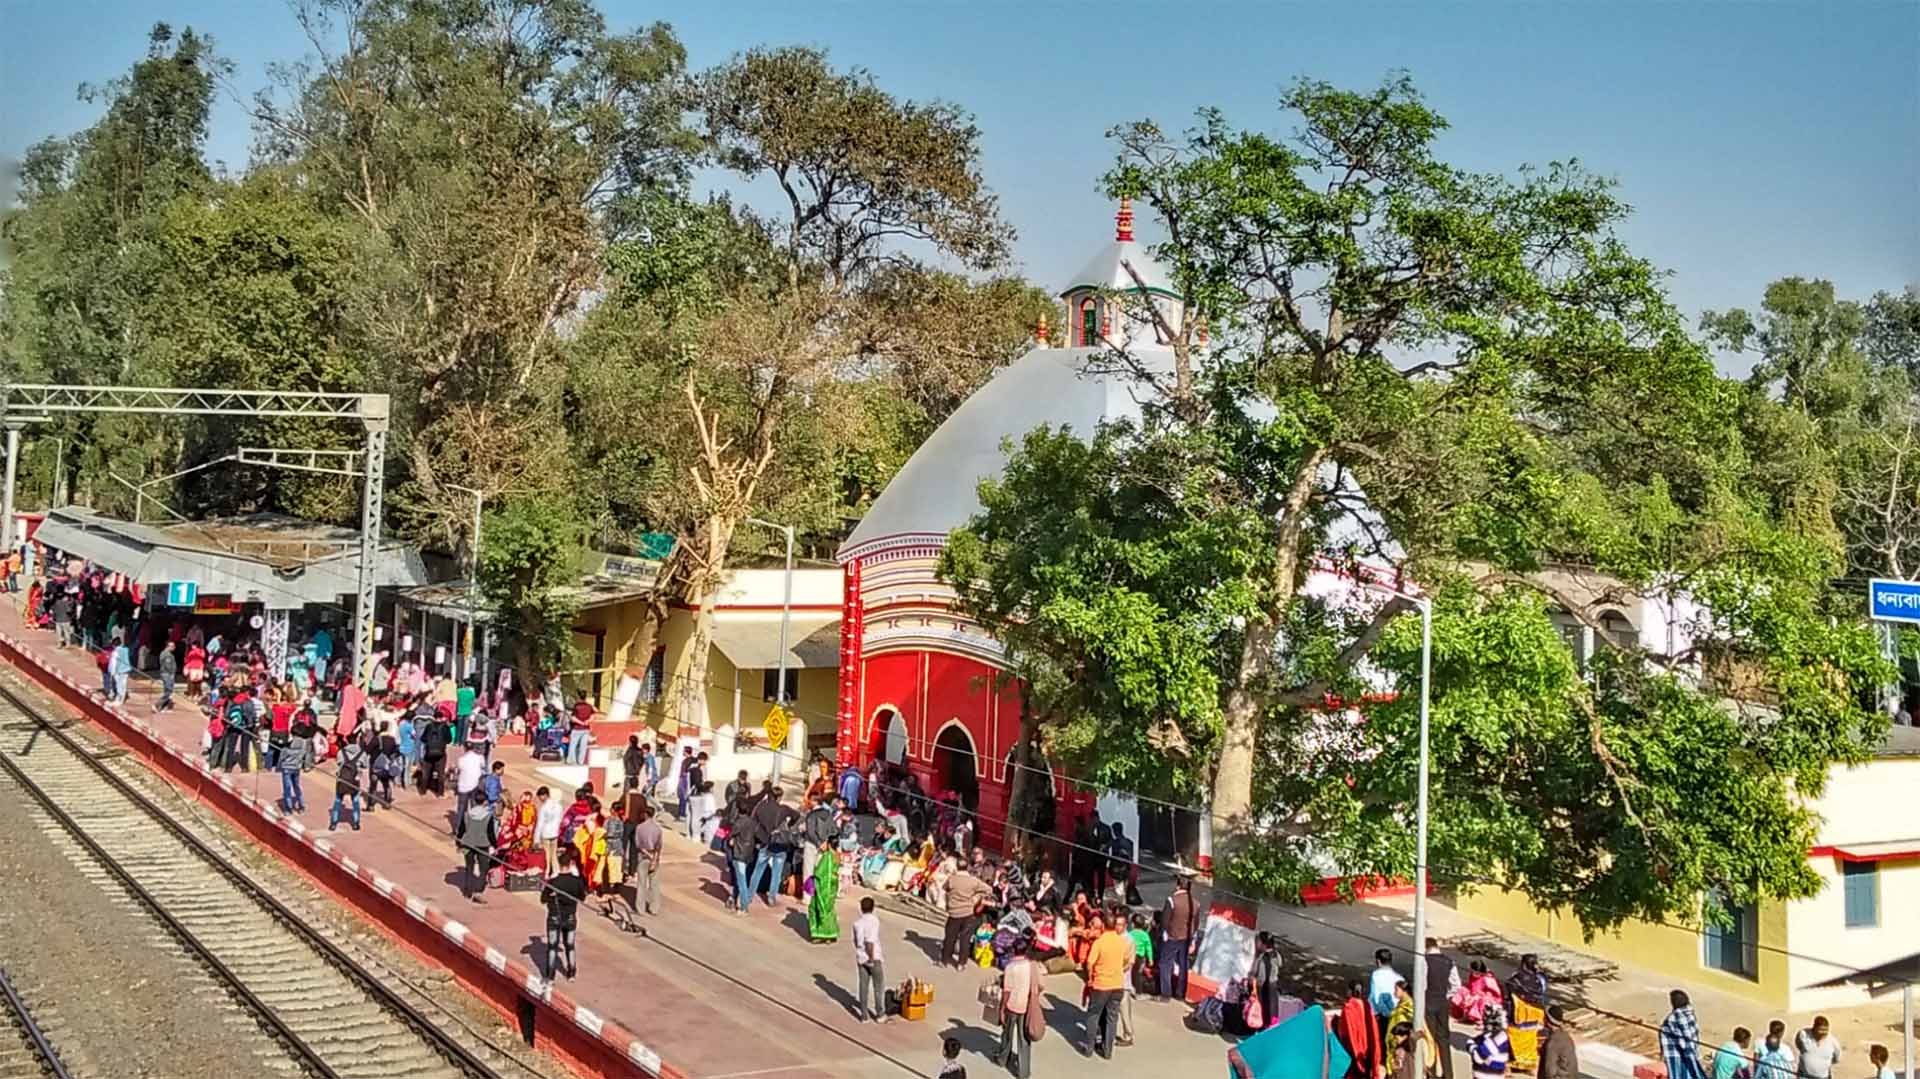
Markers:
<point>1442,979</point>
<point>470,771</point>
<point>1680,1039</point>
<point>1106,980</point>
<point>63,619</point>
<point>646,838</point>
<point>477,837</point>
<point>169,671</point>
<point>873,971</point>
<point>1182,926</point>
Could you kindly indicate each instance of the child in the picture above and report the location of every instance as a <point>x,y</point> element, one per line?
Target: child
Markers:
<point>616,841</point>
<point>983,940</point>
<point>495,783</point>
<point>950,1066</point>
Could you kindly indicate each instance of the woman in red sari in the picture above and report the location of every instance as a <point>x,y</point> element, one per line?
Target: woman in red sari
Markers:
<point>1086,928</point>
<point>1359,1035</point>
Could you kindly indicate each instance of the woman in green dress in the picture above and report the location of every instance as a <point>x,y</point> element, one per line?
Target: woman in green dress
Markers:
<point>823,921</point>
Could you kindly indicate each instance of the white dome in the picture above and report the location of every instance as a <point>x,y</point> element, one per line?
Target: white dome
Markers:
<point>937,490</point>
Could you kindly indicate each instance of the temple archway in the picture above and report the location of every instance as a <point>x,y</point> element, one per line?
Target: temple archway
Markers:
<point>894,750</point>
<point>955,765</point>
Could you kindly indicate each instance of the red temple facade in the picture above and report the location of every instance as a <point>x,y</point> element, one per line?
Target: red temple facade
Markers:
<point>920,683</point>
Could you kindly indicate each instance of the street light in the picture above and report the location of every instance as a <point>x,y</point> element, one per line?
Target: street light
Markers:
<point>473,576</point>
<point>1425,606</point>
<point>786,619</point>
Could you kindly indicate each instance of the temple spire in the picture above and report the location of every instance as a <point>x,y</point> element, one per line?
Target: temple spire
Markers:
<point>1041,335</point>
<point>1123,222</point>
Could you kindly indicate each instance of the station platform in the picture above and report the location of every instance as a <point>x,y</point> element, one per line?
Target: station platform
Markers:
<point>695,991</point>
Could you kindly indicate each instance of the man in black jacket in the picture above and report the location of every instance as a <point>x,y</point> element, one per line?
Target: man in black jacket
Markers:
<point>776,823</point>
<point>1442,978</point>
<point>822,826</point>
<point>743,849</point>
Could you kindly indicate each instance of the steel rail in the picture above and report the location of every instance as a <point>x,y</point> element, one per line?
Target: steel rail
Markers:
<point>449,1047</point>
<point>42,1048</point>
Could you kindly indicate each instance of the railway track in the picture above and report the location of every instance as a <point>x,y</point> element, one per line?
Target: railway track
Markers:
<point>31,1055</point>
<point>331,1017</point>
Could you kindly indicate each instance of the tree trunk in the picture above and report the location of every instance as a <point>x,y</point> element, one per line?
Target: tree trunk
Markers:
<point>1019,839</point>
<point>1232,803</point>
<point>1232,807</point>
<point>693,687</point>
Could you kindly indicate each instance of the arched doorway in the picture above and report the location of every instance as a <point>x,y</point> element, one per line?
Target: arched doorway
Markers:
<point>896,748</point>
<point>955,766</point>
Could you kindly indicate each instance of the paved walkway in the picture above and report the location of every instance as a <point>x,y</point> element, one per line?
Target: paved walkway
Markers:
<point>720,996</point>
<point>714,994</point>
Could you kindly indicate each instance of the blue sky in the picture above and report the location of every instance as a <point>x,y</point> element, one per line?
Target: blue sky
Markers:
<point>1754,139</point>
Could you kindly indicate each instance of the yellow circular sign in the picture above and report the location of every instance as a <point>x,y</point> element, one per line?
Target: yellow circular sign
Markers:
<point>776,727</point>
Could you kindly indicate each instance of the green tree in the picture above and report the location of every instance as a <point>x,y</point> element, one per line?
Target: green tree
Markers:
<point>1467,377</point>
<point>529,560</point>
<point>89,251</point>
<point>480,146</point>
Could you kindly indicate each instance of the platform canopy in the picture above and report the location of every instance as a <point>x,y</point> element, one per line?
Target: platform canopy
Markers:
<point>813,640</point>
<point>280,562</point>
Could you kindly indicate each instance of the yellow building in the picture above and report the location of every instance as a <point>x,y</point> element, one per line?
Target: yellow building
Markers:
<point>743,662</point>
<point>1780,954</point>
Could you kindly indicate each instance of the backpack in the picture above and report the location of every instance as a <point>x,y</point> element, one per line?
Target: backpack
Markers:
<point>1209,1016</point>
<point>236,716</point>
<point>433,740</point>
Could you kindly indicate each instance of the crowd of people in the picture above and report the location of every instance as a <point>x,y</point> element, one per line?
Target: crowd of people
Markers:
<point>1814,1052</point>
<point>875,830</point>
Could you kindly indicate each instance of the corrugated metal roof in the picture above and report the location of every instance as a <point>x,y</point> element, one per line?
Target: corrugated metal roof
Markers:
<point>154,556</point>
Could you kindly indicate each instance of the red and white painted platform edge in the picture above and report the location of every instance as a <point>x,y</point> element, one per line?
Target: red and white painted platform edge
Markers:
<point>520,973</point>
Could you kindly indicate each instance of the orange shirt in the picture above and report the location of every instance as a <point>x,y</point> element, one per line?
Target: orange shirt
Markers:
<point>1107,962</point>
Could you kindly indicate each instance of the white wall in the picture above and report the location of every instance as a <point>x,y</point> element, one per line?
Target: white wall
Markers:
<point>1861,805</point>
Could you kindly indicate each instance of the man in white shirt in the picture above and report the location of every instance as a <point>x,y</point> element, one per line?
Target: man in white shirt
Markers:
<point>546,829</point>
<point>866,953</point>
<point>470,771</point>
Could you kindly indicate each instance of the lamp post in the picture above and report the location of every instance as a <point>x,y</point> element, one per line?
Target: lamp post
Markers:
<point>473,576</point>
<point>786,620</point>
<point>1425,606</point>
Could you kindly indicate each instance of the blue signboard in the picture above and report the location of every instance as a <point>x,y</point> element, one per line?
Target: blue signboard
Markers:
<point>1893,601</point>
<point>182,593</point>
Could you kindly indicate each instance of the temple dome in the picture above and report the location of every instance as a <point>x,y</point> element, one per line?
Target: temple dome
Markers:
<point>937,490</point>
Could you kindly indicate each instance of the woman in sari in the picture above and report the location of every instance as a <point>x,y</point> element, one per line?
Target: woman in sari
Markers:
<point>1527,997</point>
<point>1085,929</point>
<point>823,921</point>
<point>1359,1034</point>
<point>1470,1001</point>
<point>589,837</point>
<point>882,866</point>
<point>913,881</point>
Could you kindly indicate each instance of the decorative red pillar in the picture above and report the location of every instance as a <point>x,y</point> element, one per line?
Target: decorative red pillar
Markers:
<point>852,631</point>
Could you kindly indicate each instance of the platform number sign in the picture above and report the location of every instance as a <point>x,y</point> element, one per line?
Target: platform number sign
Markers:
<point>182,593</point>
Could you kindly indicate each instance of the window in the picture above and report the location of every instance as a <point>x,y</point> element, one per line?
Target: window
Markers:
<point>1861,883</point>
<point>770,683</point>
<point>656,677</point>
<point>1089,324</point>
<point>1728,936</point>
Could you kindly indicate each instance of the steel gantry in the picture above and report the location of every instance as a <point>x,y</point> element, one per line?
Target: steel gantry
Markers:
<point>21,403</point>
